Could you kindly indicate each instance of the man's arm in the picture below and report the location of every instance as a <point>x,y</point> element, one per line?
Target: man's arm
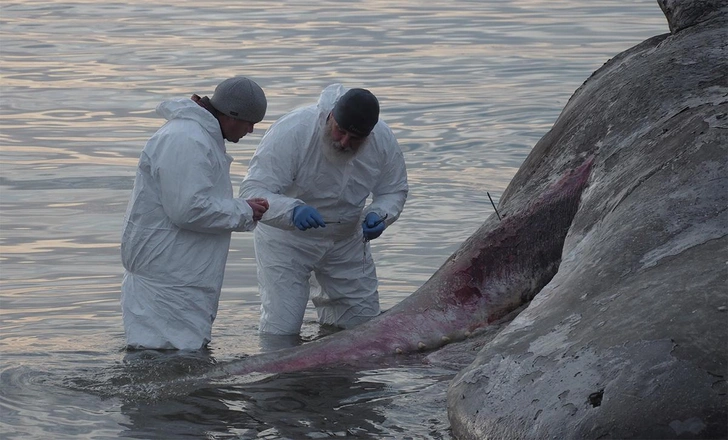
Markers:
<point>186,178</point>
<point>271,172</point>
<point>390,192</point>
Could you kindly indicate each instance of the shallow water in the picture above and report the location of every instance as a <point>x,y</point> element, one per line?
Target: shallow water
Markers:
<point>468,87</point>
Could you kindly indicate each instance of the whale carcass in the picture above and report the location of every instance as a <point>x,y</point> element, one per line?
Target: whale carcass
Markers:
<point>628,340</point>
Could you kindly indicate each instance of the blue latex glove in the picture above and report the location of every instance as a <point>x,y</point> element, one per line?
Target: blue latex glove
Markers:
<point>373,226</point>
<point>305,217</point>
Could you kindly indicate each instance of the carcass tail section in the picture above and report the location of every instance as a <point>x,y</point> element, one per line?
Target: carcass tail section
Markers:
<point>494,273</point>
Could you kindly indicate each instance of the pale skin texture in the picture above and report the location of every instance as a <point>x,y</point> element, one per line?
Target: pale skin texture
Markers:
<point>339,146</point>
<point>259,206</point>
<point>342,139</point>
<point>234,129</point>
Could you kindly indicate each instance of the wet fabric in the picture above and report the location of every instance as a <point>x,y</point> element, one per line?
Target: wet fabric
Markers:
<point>176,231</point>
<point>290,169</point>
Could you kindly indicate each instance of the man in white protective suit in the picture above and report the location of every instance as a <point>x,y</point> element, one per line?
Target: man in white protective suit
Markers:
<point>178,224</point>
<point>318,166</point>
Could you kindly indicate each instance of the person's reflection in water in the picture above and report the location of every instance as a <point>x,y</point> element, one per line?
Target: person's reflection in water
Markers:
<point>270,342</point>
<point>337,402</point>
<point>163,372</point>
<point>156,390</point>
<point>310,332</point>
<point>331,403</point>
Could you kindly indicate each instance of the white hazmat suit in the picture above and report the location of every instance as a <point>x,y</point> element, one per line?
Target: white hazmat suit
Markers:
<point>290,170</point>
<point>176,231</point>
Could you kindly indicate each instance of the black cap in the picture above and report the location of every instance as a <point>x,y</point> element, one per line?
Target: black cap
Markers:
<point>357,111</point>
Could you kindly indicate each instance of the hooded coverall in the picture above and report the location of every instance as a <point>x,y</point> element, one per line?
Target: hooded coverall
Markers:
<point>290,170</point>
<point>176,231</point>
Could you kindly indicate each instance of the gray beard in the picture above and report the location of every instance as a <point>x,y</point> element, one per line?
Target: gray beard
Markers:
<point>333,151</point>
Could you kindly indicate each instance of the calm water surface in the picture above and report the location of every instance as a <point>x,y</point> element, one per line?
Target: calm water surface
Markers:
<point>468,87</point>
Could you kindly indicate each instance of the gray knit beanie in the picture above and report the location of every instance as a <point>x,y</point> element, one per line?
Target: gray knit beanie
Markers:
<point>240,98</point>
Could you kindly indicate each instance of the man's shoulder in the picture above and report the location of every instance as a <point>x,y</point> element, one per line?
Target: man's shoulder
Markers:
<point>179,134</point>
<point>181,128</point>
<point>384,136</point>
<point>299,122</point>
<point>300,114</point>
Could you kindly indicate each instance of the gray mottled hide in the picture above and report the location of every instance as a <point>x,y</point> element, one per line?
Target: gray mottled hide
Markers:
<point>629,339</point>
<point>685,13</point>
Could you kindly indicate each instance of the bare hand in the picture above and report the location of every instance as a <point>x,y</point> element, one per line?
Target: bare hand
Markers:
<point>259,206</point>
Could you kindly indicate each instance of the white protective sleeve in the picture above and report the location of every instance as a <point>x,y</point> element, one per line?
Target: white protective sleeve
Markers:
<point>189,188</point>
